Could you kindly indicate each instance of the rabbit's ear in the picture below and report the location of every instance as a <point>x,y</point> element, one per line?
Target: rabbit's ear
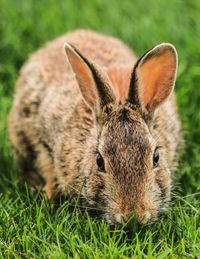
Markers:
<point>94,84</point>
<point>153,77</point>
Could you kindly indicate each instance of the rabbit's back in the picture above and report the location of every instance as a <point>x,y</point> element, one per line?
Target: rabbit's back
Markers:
<point>50,61</point>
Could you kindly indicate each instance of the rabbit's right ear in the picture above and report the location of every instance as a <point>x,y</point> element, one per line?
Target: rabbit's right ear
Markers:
<point>153,77</point>
<point>94,83</point>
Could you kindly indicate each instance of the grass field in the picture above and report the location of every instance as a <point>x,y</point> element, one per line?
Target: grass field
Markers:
<point>28,227</point>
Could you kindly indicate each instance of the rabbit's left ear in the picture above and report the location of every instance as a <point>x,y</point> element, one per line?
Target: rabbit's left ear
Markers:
<point>93,82</point>
<point>153,77</point>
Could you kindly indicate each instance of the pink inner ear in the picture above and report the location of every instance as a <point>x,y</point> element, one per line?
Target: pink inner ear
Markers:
<point>84,78</point>
<point>156,76</point>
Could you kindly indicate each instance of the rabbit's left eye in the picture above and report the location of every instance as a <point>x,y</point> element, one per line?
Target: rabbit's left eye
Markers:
<point>100,162</point>
<point>156,157</point>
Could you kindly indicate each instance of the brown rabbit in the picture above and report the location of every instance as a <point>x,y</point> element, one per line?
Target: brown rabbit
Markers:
<point>109,132</point>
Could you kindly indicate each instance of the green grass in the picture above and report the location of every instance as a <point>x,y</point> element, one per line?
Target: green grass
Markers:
<point>28,227</point>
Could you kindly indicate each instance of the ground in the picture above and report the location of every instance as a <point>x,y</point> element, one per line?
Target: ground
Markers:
<point>28,227</point>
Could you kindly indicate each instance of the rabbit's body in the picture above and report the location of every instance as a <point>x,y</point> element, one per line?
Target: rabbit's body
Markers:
<point>55,134</point>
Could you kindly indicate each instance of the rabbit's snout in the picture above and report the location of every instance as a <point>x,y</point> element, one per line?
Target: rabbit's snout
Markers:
<point>143,214</point>
<point>124,217</point>
<point>121,218</point>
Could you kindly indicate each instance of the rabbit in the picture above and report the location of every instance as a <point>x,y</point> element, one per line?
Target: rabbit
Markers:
<point>91,119</point>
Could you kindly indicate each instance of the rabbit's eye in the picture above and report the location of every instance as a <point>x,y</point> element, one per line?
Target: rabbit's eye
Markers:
<point>155,157</point>
<point>100,163</point>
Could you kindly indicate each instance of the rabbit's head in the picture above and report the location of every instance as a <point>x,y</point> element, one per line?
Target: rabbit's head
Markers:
<point>128,174</point>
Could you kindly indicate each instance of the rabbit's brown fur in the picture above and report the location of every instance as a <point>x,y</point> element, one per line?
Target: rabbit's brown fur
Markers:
<point>57,135</point>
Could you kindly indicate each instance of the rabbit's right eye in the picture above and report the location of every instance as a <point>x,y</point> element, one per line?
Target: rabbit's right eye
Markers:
<point>156,157</point>
<point>100,163</point>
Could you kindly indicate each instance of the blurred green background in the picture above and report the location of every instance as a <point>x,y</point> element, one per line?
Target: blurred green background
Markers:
<point>27,25</point>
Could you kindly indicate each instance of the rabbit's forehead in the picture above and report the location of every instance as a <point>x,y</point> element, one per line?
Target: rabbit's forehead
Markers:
<point>126,129</point>
<point>127,136</point>
<point>126,141</point>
